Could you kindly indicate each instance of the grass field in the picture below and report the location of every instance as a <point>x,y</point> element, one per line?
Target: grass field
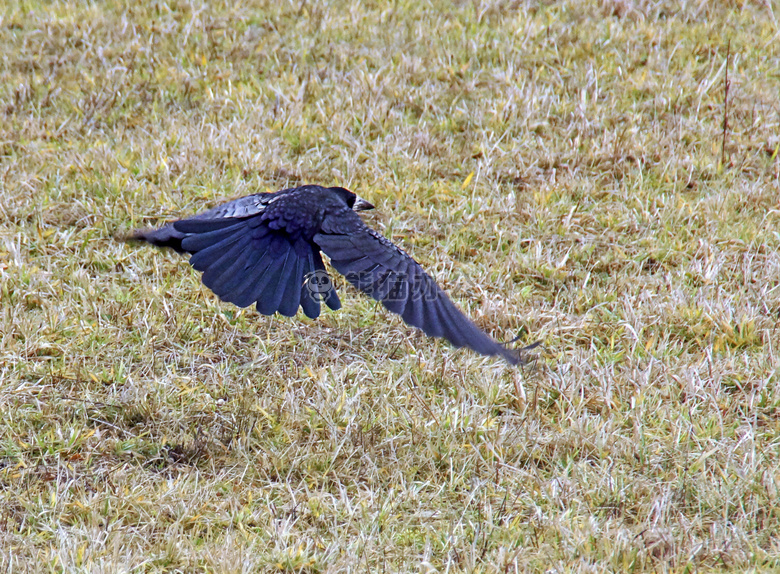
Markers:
<point>561,168</point>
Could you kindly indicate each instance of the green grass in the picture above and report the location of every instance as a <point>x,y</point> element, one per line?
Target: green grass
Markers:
<point>557,166</point>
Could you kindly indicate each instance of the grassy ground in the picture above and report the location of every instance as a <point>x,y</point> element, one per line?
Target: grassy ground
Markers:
<point>559,167</point>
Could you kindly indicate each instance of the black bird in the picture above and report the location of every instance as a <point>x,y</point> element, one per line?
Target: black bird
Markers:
<point>265,249</point>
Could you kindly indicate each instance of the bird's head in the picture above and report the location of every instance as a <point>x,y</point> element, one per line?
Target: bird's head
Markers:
<point>352,200</point>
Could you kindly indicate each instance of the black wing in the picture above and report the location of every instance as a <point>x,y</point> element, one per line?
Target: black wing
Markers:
<point>245,260</point>
<point>377,267</point>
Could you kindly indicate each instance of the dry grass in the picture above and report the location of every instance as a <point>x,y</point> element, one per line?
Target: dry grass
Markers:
<point>556,165</point>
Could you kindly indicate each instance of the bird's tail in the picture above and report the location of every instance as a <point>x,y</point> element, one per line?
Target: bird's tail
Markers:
<point>166,236</point>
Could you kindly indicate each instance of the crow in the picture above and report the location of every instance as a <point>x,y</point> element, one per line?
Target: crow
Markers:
<point>265,249</point>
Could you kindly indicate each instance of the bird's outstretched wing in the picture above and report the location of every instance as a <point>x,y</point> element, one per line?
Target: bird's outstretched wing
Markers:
<point>380,269</point>
<point>245,260</point>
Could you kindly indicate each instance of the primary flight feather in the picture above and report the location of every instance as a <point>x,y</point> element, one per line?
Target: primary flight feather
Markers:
<point>264,249</point>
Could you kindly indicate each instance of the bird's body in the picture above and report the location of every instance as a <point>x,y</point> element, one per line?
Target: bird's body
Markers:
<point>264,249</point>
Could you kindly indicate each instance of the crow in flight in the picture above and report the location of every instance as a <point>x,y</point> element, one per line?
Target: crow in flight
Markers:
<point>265,249</point>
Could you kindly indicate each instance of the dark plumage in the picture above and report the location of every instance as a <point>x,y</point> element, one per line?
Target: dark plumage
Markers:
<point>265,249</point>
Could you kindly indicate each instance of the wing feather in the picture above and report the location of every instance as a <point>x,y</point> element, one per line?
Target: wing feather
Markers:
<point>310,303</point>
<point>271,298</point>
<point>377,267</point>
<point>214,272</point>
<point>291,296</point>
<point>211,253</point>
<point>243,293</point>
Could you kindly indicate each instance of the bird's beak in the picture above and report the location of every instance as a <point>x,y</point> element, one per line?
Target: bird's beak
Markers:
<point>361,205</point>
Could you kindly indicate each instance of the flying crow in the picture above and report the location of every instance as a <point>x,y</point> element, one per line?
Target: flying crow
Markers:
<point>264,249</point>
